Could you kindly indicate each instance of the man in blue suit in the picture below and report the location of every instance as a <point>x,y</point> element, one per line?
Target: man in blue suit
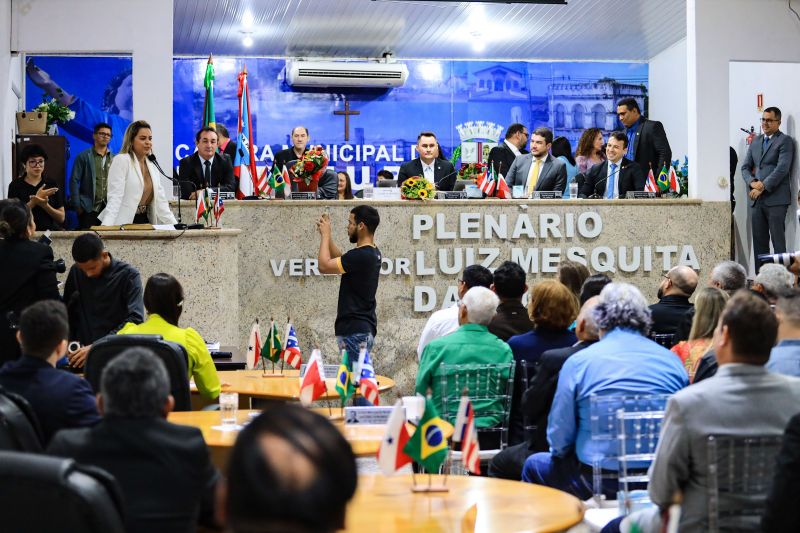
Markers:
<point>766,171</point>
<point>59,399</point>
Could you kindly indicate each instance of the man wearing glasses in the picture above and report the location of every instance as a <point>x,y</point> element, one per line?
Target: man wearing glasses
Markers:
<point>88,183</point>
<point>766,172</point>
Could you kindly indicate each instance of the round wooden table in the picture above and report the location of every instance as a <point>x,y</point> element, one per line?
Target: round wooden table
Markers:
<point>386,504</point>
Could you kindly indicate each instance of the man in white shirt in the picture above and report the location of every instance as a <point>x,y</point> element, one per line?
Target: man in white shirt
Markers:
<point>502,156</point>
<point>538,171</point>
<point>445,321</point>
<point>437,171</point>
<point>617,175</point>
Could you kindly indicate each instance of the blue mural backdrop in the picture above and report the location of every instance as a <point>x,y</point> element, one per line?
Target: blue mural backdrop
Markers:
<point>458,100</point>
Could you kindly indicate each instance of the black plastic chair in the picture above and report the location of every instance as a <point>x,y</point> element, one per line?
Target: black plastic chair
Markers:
<point>48,494</point>
<point>172,354</point>
<point>19,427</point>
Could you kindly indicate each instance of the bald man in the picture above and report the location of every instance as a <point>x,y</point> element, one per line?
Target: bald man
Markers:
<point>676,287</point>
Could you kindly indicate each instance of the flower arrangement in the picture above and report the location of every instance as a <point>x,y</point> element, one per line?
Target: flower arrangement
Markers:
<point>311,166</point>
<point>417,188</point>
<point>57,113</point>
<point>471,171</point>
<point>682,171</point>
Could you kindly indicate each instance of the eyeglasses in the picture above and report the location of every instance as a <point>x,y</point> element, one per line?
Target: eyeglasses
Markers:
<point>769,120</point>
<point>103,134</point>
<point>666,276</point>
<point>35,162</point>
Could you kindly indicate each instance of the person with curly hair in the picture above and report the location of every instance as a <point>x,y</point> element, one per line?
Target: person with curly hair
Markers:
<point>590,150</point>
<point>623,362</point>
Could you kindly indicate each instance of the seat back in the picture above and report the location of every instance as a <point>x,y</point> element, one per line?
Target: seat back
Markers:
<point>172,354</point>
<point>48,494</point>
<point>489,388</point>
<point>624,434</point>
<point>526,371</point>
<point>19,427</point>
<point>667,340</point>
<point>740,474</point>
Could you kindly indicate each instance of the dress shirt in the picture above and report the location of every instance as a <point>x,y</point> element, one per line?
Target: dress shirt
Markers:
<point>621,363</point>
<point>785,358</point>
<point>631,133</point>
<point>441,323</point>
<point>428,171</point>
<point>530,184</point>
<point>616,172</point>
<point>469,344</point>
<point>513,148</point>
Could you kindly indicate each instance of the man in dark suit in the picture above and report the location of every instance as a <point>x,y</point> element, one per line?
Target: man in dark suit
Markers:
<point>206,167</point>
<point>538,398</point>
<point>647,141</point>
<point>766,171</point>
<point>502,156</point>
<point>294,152</point>
<point>676,287</point>
<point>163,469</point>
<point>538,170</point>
<point>226,144</point>
<point>59,399</point>
<point>615,176</point>
<point>437,171</point>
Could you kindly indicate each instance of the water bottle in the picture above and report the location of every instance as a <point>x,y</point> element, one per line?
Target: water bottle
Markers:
<point>368,193</point>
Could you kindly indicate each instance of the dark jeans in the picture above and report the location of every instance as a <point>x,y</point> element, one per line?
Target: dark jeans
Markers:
<point>352,343</point>
<point>562,473</point>
<point>508,463</point>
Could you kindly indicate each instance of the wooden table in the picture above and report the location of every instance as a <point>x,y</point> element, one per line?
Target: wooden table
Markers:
<point>386,504</point>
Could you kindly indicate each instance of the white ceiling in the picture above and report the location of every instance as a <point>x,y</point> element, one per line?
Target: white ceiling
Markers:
<point>582,30</point>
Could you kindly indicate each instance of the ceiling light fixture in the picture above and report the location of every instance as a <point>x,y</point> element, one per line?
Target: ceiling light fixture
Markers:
<point>247,20</point>
<point>247,41</point>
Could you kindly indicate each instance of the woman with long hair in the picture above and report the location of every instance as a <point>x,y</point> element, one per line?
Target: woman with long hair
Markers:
<point>345,189</point>
<point>135,194</point>
<point>590,149</point>
<point>708,306</point>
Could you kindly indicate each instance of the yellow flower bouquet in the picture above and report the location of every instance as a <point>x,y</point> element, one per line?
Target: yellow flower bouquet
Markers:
<point>417,188</point>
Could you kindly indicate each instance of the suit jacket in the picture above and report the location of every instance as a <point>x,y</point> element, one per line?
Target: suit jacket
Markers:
<point>284,157</point>
<point>782,514</point>
<point>552,174</point>
<point>27,275</point>
<point>630,176</point>
<point>59,399</point>
<point>230,150</point>
<point>669,312</point>
<point>163,469</point>
<point>538,397</point>
<point>740,400</point>
<point>650,146</point>
<point>82,180</point>
<point>501,157</point>
<point>772,167</point>
<point>327,186</point>
<point>444,173</point>
<point>191,169</point>
<point>125,187</point>
<point>511,319</point>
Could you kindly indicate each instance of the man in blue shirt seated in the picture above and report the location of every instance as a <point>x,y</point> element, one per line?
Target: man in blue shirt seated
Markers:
<point>785,356</point>
<point>59,399</point>
<point>623,362</point>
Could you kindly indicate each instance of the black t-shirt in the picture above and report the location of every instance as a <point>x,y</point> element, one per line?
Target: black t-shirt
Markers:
<point>356,310</point>
<point>19,188</point>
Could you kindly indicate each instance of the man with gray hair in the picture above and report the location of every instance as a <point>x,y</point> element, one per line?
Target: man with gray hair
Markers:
<point>623,362</point>
<point>538,398</point>
<point>163,469</point>
<point>772,280</point>
<point>471,343</point>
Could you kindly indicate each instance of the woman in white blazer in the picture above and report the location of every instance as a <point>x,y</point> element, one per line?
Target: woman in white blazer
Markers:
<point>135,194</point>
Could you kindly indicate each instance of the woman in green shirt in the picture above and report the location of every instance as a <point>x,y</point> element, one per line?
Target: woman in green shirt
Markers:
<point>163,301</point>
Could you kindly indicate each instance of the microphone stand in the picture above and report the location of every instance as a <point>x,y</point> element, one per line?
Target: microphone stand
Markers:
<point>180,224</point>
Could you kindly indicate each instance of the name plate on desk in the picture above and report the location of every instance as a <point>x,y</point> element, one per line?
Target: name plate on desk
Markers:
<point>330,370</point>
<point>640,195</point>
<point>386,193</point>
<point>368,415</point>
<point>451,195</point>
<point>226,195</point>
<point>309,195</point>
<point>547,195</point>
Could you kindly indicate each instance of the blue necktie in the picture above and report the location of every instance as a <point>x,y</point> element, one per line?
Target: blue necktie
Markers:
<point>610,184</point>
<point>764,146</point>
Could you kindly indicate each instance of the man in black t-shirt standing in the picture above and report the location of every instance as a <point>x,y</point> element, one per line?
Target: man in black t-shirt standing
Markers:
<point>356,321</point>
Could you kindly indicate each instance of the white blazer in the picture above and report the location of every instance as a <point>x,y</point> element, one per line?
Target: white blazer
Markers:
<point>125,187</point>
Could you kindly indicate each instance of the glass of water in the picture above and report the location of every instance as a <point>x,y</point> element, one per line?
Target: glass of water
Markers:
<point>573,190</point>
<point>176,190</point>
<point>228,406</point>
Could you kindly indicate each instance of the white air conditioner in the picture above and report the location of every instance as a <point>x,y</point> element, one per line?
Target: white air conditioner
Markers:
<point>345,74</point>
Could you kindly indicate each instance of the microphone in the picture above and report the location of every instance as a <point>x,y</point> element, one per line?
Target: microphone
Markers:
<point>436,183</point>
<point>596,195</point>
<point>180,225</point>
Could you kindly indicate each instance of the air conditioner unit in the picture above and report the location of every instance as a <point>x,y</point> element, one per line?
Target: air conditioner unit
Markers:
<point>345,74</point>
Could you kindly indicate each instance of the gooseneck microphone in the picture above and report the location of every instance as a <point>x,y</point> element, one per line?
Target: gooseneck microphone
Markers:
<point>596,195</point>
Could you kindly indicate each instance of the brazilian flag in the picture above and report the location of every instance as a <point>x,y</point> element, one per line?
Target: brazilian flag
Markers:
<point>663,179</point>
<point>272,348</point>
<point>428,446</point>
<point>276,181</point>
<point>344,383</point>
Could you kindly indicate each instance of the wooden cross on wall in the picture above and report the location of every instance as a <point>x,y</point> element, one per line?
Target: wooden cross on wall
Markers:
<point>347,112</point>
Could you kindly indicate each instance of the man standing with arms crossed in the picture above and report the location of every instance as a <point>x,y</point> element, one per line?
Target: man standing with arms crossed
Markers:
<point>356,321</point>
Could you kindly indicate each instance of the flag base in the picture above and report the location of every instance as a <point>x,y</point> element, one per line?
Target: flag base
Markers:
<point>272,375</point>
<point>429,488</point>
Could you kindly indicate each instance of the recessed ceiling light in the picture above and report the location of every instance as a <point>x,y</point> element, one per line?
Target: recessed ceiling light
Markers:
<point>247,41</point>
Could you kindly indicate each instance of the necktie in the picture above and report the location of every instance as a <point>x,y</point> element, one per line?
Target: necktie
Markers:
<point>534,176</point>
<point>207,174</point>
<point>610,185</point>
<point>766,143</point>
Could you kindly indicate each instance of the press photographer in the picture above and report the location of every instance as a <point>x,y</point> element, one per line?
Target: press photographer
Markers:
<point>27,272</point>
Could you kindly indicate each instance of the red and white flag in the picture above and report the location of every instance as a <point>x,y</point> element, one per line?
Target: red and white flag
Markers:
<point>674,184</point>
<point>391,457</point>
<point>464,432</point>
<point>486,182</point>
<point>312,384</point>
<point>502,188</point>
<point>254,346</point>
<point>650,185</point>
<point>367,382</point>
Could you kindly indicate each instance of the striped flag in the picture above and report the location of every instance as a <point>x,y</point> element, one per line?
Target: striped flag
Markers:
<point>291,349</point>
<point>503,191</point>
<point>312,384</point>
<point>650,184</point>
<point>244,163</point>
<point>464,432</point>
<point>486,181</point>
<point>391,457</point>
<point>219,206</point>
<point>674,183</point>
<point>201,206</point>
<point>368,385</point>
<point>254,346</point>
<point>209,119</point>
